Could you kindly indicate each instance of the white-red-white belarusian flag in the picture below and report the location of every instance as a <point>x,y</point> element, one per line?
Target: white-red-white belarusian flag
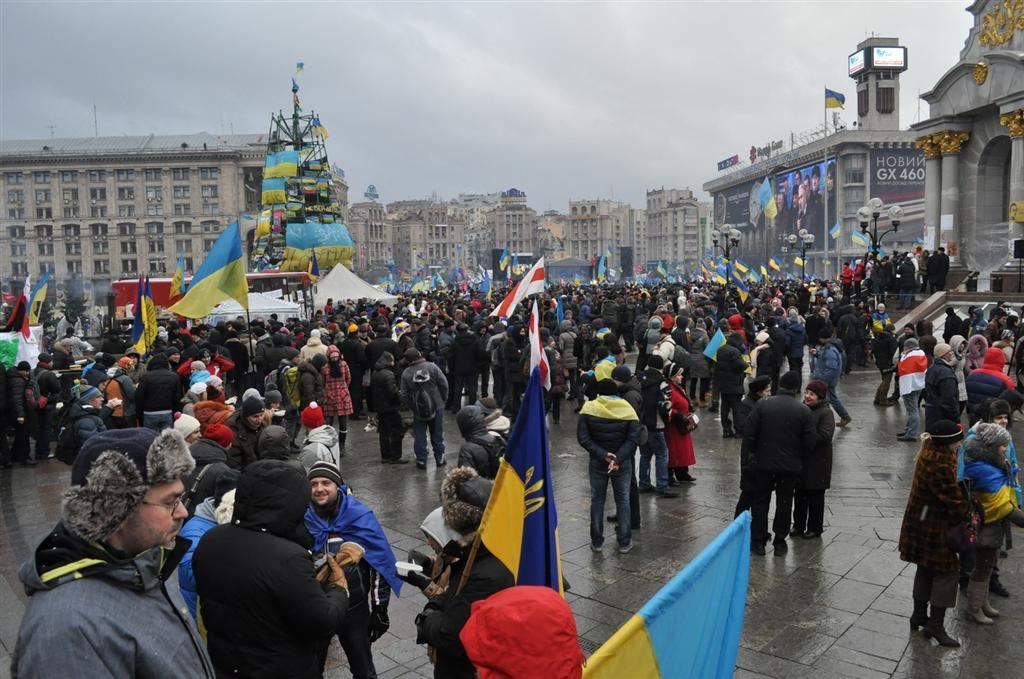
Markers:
<point>538,357</point>
<point>531,284</point>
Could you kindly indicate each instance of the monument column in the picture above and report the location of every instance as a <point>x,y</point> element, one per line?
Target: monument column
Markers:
<point>950,143</point>
<point>1014,122</point>
<point>932,185</point>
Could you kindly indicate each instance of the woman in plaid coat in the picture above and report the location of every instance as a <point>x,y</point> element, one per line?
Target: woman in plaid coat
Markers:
<point>337,400</point>
<point>935,504</point>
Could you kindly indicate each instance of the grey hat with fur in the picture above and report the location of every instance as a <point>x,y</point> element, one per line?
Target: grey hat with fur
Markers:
<point>464,494</point>
<point>112,473</point>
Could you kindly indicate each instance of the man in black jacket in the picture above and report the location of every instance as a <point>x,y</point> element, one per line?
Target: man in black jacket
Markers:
<point>730,369</point>
<point>462,368</point>
<point>941,391</point>
<point>778,433</point>
<point>49,388</point>
<point>354,351</point>
<point>270,620</point>
<point>158,395</point>
<point>655,396</point>
<point>938,269</point>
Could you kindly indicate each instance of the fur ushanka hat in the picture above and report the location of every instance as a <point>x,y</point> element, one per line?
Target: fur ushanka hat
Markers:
<point>464,494</point>
<point>112,473</point>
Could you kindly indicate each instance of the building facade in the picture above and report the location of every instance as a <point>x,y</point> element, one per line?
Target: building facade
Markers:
<point>99,209</point>
<point>371,232</point>
<point>676,221</point>
<point>423,235</point>
<point>471,209</point>
<point>638,237</point>
<point>512,224</point>
<point>973,144</point>
<point>593,226</point>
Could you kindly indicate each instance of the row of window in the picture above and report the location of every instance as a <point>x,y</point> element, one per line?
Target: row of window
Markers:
<point>149,175</point>
<point>158,265</point>
<point>157,210</point>
<point>102,230</point>
<point>153,193</point>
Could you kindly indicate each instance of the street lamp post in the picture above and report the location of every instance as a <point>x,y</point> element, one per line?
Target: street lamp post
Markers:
<point>725,239</point>
<point>868,217</point>
<point>806,240</point>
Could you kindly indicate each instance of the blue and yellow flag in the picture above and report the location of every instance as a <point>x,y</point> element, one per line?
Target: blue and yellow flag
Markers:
<point>318,129</point>
<point>834,231</point>
<point>764,271</point>
<point>144,326</point>
<point>35,305</point>
<point>602,269</point>
<point>661,269</point>
<point>504,260</point>
<point>859,238</point>
<point>773,265</point>
<point>520,523</point>
<point>740,265</point>
<point>220,277</point>
<point>720,279</point>
<point>714,344</point>
<point>798,260</point>
<point>766,197</point>
<point>298,67</point>
<point>834,99</point>
<point>313,268</point>
<point>177,290</point>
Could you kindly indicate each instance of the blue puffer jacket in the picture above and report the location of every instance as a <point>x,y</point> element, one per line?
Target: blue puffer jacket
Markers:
<point>829,366</point>
<point>796,339</point>
<point>193,530</point>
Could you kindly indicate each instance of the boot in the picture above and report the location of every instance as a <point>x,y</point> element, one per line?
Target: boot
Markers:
<point>987,608</point>
<point>934,628</point>
<point>976,593</point>
<point>920,616</point>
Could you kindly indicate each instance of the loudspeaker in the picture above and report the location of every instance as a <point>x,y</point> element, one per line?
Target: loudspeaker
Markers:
<point>626,262</point>
<point>1018,248</point>
<point>496,273</point>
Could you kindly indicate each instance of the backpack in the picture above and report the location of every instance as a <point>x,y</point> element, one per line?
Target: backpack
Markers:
<point>68,442</point>
<point>681,357</point>
<point>423,406</point>
<point>289,380</point>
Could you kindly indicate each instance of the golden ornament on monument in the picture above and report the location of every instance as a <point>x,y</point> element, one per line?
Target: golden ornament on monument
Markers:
<point>1014,122</point>
<point>951,142</point>
<point>999,25</point>
<point>980,73</point>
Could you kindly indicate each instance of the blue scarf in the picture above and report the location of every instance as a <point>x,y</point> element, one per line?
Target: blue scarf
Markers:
<point>355,522</point>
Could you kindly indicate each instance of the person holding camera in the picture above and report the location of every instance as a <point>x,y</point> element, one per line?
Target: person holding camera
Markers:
<point>345,529</point>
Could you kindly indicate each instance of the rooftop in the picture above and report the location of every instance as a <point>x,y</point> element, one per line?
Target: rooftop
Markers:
<point>151,143</point>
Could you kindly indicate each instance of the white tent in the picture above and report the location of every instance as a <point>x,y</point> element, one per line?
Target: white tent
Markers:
<point>259,305</point>
<point>342,284</point>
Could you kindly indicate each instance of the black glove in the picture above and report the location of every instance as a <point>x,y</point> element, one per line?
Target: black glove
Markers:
<point>379,623</point>
<point>420,559</point>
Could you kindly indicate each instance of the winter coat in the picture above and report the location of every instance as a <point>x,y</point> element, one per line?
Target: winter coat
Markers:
<point>463,355</point>
<point>796,339</point>
<point>274,355</point>
<point>437,386</point>
<point>104,616</point>
<point>698,369</point>
<point>653,334</point>
<point>764,361</point>
<point>353,350</point>
<point>654,391</point>
<point>384,397</point>
<point>276,443</point>
<point>481,448</point>
<point>378,346</point>
<point>935,503</point>
<point>206,453</point>
<point>600,434</point>
<point>158,390</point>
<point>17,385</point>
<point>566,344</point>
<point>244,448</point>
<point>442,620</point>
<point>883,348</point>
<point>747,473</point>
<point>941,395</point>
<point>730,368</point>
<point>193,530</point>
<point>337,397</point>
<point>211,412</point>
<point>320,444</point>
<point>988,381</point>
<point>313,347</point>
<point>780,433</point>
<point>977,347</point>
<point>829,366</point>
<point>512,352</point>
<point>311,385</point>
<point>679,441</point>
<point>817,464</point>
<point>264,611</point>
<point>85,420</point>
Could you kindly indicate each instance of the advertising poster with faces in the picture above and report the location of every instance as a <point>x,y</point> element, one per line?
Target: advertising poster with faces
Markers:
<point>800,197</point>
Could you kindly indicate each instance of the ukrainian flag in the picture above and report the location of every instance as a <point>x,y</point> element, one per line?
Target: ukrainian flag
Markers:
<point>741,288</point>
<point>717,340</point>
<point>313,269</point>
<point>740,265</point>
<point>35,305</point>
<point>661,270</point>
<point>602,269</point>
<point>220,277</point>
<point>773,265</point>
<point>274,191</point>
<point>504,260</point>
<point>177,281</point>
<point>318,129</point>
<point>706,599</point>
<point>834,99</point>
<point>766,197</point>
<point>834,231</point>
<point>282,164</point>
<point>859,238</point>
<point>144,326</point>
<point>764,271</point>
<point>798,260</point>
<point>720,279</point>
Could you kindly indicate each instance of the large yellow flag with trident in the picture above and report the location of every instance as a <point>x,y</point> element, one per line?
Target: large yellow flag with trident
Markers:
<point>220,277</point>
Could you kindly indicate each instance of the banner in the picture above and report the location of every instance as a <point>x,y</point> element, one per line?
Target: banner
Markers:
<point>738,205</point>
<point>692,626</point>
<point>897,177</point>
<point>15,348</point>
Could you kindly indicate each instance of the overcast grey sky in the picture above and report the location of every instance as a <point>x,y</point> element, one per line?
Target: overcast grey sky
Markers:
<point>562,100</point>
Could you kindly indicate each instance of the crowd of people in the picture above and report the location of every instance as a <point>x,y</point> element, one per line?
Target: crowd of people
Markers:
<point>223,447</point>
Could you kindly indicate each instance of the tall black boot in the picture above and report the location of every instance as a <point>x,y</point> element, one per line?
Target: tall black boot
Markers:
<point>919,618</point>
<point>934,628</point>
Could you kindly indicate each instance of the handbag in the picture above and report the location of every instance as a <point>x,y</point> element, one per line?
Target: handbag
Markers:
<point>963,537</point>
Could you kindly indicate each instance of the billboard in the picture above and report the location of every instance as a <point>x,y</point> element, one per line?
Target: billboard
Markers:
<point>889,57</point>
<point>856,62</point>
<point>897,177</point>
<point>738,205</point>
<point>806,199</point>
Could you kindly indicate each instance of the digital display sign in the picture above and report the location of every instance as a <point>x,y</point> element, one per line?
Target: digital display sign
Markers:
<point>857,62</point>
<point>889,57</point>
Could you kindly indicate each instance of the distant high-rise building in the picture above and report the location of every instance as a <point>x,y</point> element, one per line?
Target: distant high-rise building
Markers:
<point>513,224</point>
<point>594,226</point>
<point>675,220</point>
<point>423,235</point>
<point>371,232</point>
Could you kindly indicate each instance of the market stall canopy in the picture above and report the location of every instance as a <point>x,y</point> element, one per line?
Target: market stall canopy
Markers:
<point>342,284</point>
<point>259,305</point>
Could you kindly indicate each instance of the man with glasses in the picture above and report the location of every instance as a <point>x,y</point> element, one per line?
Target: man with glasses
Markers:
<point>97,603</point>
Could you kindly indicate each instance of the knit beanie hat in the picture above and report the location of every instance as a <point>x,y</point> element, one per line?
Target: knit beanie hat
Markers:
<point>318,361</point>
<point>252,406</point>
<point>790,381</point>
<point>607,387</point>
<point>199,388</point>
<point>220,434</point>
<point>112,473</point>
<point>910,344</point>
<point>250,393</point>
<point>464,494</point>
<point>196,366</point>
<point>989,435</point>
<point>941,349</point>
<point>313,416</point>
<point>186,425</point>
<point>758,384</point>
<point>325,469</point>
<point>819,388</point>
<point>273,396</point>
<point>89,394</point>
<point>621,373</point>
